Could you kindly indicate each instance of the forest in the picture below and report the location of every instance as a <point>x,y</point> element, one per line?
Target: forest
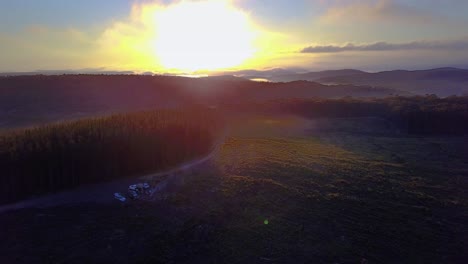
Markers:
<point>63,155</point>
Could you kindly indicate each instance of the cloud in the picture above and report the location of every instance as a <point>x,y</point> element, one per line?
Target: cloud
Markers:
<point>385,46</point>
<point>377,11</point>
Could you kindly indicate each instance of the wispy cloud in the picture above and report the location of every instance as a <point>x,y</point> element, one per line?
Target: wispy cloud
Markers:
<point>386,46</point>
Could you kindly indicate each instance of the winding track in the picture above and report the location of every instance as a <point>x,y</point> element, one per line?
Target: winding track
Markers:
<point>103,193</point>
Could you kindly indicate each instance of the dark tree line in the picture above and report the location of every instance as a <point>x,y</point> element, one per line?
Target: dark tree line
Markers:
<point>60,156</point>
<point>419,115</point>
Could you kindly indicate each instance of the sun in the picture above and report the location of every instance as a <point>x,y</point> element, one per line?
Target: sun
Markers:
<point>202,35</point>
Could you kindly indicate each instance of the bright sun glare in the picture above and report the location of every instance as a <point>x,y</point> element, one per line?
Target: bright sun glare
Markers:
<point>203,35</point>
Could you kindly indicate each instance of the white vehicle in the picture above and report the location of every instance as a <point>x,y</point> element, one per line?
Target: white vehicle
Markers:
<point>137,190</point>
<point>120,197</point>
<point>133,194</point>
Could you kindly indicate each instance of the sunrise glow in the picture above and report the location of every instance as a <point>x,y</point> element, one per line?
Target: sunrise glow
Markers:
<point>206,35</point>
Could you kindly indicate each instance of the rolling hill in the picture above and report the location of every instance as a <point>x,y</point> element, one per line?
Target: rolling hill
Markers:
<point>37,99</point>
<point>314,76</point>
<point>441,81</point>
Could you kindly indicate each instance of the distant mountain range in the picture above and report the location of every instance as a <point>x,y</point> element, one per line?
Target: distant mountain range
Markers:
<point>441,81</point>
<point>41,98</point>
<point>61,72</point>
<point>314,76</point>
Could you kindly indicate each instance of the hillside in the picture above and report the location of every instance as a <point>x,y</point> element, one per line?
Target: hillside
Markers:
<point>30,100</point>
<point>442,81</point>
<point>314,76</point>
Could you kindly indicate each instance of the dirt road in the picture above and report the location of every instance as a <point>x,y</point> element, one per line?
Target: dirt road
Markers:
<point>103,193</point>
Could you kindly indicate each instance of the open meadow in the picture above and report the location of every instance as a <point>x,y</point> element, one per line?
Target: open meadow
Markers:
<point>281,189</point>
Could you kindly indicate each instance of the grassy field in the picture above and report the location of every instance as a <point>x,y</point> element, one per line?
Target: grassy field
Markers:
<point>279,191</point>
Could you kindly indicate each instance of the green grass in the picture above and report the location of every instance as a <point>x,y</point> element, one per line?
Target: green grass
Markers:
<point>327,197</point>
<point>337,199</point>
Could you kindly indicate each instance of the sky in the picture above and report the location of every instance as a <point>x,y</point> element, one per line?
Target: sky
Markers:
<point>214,35</point>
